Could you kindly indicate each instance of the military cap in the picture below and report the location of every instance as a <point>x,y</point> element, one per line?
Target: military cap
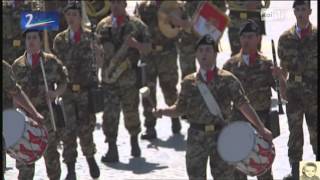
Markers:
<point>207,40</point>
<point>301,2</point>
<point>73,5</point>
<point>249,26</point>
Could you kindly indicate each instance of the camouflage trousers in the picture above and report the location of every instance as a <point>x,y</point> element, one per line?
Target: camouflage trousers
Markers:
<point>117,99</point>
<point>200,146</point>
<point>300,104</point>
<point>79,123</point>
<point>264,116</point>
<point>162,66</point>
<point>233,30</point>
<point>51,155</point>
<point>187,60</point>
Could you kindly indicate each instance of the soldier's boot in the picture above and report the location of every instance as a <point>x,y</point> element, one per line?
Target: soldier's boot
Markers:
<point>176,125</point>
<point>135,149</point>
<point>93,166</point>
<point>294,175</point>
<point>150,134</point>
<point>71,171</point>
<point>112,155</point>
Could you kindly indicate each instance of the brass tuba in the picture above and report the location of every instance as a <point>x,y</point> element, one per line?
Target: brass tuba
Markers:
<point>166,10</point>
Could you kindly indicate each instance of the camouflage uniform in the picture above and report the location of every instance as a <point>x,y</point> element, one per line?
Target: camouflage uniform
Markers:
<point>31,81</point>
<point>9,85</point>
<point>299,58</point>
<point>257,81</point>
<point>185,44</point>
<point>77,58</point>
<point>240,13</point>
<point>123,93</point>
<point>162,62</point>
<point>12,43</point>
<point>202,143</point>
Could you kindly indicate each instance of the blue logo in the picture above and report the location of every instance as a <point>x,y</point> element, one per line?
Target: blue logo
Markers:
<point>40,20</point>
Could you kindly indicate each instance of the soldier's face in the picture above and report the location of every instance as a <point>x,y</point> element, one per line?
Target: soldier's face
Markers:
<point>302,13</point>
<point>73,17</point>
<point>249,41</point>
<point>33,42</point>
<point>206,56</point>
<point>118,7</point>
<point>310,171</point>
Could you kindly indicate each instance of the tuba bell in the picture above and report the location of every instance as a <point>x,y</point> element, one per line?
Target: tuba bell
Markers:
<point>166,10</point>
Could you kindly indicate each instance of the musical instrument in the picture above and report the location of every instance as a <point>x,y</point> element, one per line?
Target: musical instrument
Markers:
<point>208,19</point>
<point>91,10</point>
<point>166,10</point>
<point>241,146</point>
<point>25,141</point>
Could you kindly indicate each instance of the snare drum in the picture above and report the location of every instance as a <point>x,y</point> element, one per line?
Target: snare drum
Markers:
<point>240,145</point>
<point>25,141</point>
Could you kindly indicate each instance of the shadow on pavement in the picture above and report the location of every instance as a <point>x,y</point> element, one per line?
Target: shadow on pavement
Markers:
<point>176,142</point>
<point>137,166</point>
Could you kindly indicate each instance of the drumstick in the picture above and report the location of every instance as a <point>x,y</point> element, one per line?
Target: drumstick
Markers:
<point>145,92</point>
<point>48,101</point>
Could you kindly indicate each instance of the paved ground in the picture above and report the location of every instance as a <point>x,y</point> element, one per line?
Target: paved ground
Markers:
<point>164,158</point>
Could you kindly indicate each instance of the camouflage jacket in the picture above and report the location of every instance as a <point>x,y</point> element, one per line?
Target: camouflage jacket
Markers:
<point>8,85</point>
<point>112,38</point>
<point>244,5</point>
<point>256,79</point>
<point>31,80</point>
<point>77,57</point>
<point>225,88</point>
<point>147,11</point>
<point>299,58</point>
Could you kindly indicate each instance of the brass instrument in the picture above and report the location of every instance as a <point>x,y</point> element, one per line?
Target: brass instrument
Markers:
<point>117,65</point>
<point>168,9</point>
<point>85,19</point>
<point>92,12</point>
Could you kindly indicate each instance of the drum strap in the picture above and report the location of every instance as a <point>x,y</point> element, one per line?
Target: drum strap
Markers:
<point>209,99</point>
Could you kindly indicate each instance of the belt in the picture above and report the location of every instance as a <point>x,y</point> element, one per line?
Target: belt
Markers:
<point>76,87</point>
<point>206,127</point>
<point>244,14</point>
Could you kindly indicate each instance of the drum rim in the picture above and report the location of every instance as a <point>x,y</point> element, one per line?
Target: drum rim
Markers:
<point>19,111</point>
<point>252,146</point>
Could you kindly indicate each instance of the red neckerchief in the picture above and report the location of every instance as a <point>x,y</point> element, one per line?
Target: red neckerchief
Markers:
<point>211,74</point>
<point>253,57</point>
<point>120,20</point>
<point>305,32</point>
<point>77,36</point>
<point>35,60</point>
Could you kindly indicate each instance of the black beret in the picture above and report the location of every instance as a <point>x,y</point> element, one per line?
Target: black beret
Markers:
<point>207,40</point>
<point>301,2</point>
<point>73,5</point>
<point>249,26</point>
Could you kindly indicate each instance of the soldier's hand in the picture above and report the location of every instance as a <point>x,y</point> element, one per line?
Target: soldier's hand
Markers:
<point>157,113</point>
<point>132,42</point>
<point>266,134</point>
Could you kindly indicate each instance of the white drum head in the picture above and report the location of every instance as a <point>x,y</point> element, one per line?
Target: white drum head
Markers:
<point>13,126</point>
<point>236,141</point>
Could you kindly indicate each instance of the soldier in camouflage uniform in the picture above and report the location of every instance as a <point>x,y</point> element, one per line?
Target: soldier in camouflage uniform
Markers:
<point>255,74</point>
<point>204,126</point>
<point>162,64</point>
<point>12,46</point>
<point>72,47</point>
<point>239,12</point>
<point>12,92</point>
<point>29,75</point>
<point>122,37</point>
<point>298,54</point>
<point>186,39</point>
